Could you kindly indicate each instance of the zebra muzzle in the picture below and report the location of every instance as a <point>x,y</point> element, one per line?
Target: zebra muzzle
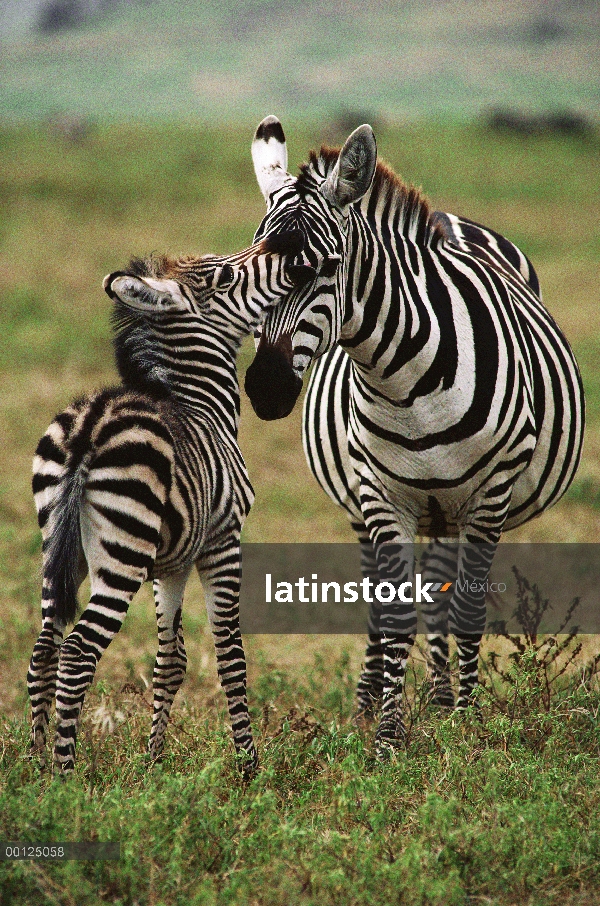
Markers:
<point>271,383</point>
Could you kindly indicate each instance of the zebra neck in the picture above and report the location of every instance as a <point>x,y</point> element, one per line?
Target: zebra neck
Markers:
<point>198,379</point>
<point>208,392</point>
<point>400,320</point>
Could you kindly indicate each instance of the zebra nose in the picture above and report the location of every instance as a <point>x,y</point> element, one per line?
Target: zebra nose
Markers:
<point>271,383</point>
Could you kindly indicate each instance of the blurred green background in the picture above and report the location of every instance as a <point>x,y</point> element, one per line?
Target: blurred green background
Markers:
<point>224,59</point>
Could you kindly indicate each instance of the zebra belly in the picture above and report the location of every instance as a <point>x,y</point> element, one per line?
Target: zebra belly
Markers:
<point>458,473</point>
<point>325,437</point>
<point>325,434</point>
<point>554,461</point>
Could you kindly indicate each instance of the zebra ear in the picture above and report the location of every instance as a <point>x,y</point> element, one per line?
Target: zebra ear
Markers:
<point>269,155</point>
<point>147,295</point>
<point>354,171</point>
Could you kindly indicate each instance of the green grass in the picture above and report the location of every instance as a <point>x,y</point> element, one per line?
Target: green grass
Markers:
<point>503,812</point>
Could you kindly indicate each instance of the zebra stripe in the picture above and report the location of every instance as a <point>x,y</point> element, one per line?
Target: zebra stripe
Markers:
<point>146,480</point>
<point>451,407</point>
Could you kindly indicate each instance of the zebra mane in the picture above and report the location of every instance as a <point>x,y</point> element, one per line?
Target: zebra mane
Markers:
<point>417,220</point>
<point>134,340</point>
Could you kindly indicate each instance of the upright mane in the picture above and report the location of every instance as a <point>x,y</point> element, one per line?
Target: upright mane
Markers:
<point>416,219</point>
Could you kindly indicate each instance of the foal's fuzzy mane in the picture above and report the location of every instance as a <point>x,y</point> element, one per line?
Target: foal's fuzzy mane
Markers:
<point>417,220</point>
<point>134,341</point>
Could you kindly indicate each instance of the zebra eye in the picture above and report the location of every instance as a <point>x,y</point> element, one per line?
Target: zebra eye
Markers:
<point>329,267</point>
<point>301,274</point>
<point>225,278</point>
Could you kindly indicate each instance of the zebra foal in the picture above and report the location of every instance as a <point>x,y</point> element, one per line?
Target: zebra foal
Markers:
<point>146,480</point>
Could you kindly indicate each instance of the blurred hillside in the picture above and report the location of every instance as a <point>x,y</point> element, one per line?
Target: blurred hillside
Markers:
<point>240,59</point>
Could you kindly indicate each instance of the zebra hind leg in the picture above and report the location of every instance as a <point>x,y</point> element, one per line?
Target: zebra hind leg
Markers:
<point>468,661</point>
<point>171,660</point>
<point>43,669</point>
<point>369,690</point>
<point>42,674</point>
<point>81,651</point>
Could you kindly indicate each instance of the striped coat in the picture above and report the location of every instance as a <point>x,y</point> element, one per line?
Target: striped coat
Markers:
<point>454,408</point>
<point>145,481</point>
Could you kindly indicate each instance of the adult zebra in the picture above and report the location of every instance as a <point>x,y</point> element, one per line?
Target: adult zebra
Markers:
<point>146,480</point>
<point>325,421</point>
<point>459,405</point>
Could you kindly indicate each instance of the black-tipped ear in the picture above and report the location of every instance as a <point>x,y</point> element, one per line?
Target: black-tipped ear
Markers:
<point>269,154</point>
<point>108,281</point>
<point>301,274</point>
<point>270,128</point>
<point>289,242</point>
<point>226,276</point>
<point>354,171</point>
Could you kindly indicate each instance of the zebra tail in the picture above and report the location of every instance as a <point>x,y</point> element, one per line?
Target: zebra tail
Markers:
<point>61,567</point>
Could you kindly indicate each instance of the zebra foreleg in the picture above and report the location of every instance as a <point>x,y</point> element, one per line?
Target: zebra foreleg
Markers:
<point>220,577</point>
<point>171,660</point>
<point>467,614</point>
<point>389,526</point>
<point>438,566</point>
<point>369,690</point>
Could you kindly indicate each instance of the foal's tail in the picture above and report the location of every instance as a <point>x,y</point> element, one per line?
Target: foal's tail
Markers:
<point>59,478</point>
<point>61,566</point>
<point>61,563</point>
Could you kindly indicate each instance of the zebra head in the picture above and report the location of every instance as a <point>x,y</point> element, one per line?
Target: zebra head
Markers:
<point>319,205</point>
<point>219,298</point>
<point>229,293</point>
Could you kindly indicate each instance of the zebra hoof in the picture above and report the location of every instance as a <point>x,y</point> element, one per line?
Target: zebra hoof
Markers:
<point>472,706</point>
<point>39,757</point>
<point>386,749</point>
<point>63,771</point>
<point>248,765</point>
<point>155,750</point>
<point>363,718</point>
<point>156,759</point>
<point>390,738</point>
<point>37,746</point>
